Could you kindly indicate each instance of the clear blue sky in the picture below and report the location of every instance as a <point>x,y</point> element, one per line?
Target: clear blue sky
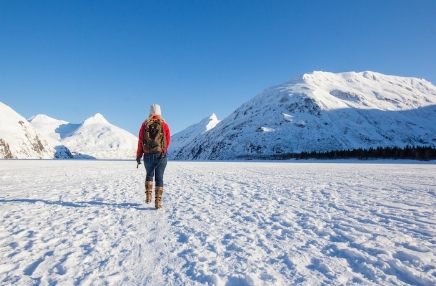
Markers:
<point>73,59</point>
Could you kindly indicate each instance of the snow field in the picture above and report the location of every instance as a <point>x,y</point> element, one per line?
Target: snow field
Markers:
<point>223,223</point>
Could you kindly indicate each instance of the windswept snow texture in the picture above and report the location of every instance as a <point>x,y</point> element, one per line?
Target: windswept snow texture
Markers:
<point>258,223</point>
<point>323,111</point>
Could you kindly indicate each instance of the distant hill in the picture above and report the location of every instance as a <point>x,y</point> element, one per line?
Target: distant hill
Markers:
<point>188,135</point>
<point>43,137</point>
<point>94,138</point>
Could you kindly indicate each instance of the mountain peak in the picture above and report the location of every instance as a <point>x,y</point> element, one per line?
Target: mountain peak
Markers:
<point>213,121</point>
<point>184,137</point>
<point>321,111</point>
<point>43,119</point>
<point>97,118</point>
<point>206,124</point>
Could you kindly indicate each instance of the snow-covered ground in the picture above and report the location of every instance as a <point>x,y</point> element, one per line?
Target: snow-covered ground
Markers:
<point>223,223</point>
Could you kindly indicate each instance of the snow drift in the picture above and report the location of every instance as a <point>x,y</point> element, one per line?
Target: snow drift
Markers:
<point>222,223</point>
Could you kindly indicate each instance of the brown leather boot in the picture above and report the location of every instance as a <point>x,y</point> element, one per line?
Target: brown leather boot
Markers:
<point>148,191</point>
<point>158,194</point>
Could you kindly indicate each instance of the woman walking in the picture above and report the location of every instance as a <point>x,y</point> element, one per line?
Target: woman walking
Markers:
<point>153,141</point>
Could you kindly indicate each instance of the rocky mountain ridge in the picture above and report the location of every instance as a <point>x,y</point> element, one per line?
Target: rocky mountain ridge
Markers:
<point>19,139</point>
<point>323,111</point>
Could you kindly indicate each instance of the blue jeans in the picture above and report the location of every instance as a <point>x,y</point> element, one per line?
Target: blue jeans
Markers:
<point>155,167</point>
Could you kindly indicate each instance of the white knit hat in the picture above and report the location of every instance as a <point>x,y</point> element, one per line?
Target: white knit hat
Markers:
<point>155,109</point>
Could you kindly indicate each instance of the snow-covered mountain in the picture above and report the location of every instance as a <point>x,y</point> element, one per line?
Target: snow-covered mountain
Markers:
<point>57,129</point>
<point>21,140</point>
<point>94,138</point>
<point>182,138</point>
<point>323,111</point>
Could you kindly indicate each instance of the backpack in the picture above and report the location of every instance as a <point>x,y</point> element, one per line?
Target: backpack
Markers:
<point>153,139</point>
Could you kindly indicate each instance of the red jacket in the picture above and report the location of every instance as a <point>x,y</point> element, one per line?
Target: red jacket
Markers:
<point>167,135</point>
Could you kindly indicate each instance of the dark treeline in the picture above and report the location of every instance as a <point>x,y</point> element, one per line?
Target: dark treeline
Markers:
<point>408,152</point>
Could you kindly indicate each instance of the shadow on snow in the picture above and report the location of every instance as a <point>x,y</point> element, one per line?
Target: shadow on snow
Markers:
<point>78,204</point>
